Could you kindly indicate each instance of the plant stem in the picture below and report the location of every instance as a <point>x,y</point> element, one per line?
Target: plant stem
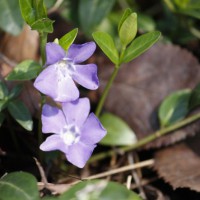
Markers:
<point>105,92</point>
<point>43,41</point>
<point>149,138</point>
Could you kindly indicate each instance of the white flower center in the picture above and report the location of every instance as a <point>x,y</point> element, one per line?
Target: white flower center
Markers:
<point>65,68</point>
<point>70,134</point>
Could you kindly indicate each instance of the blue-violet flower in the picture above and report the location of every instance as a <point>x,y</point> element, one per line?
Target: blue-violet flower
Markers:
<point>76,131</point>
<point>62,69</point>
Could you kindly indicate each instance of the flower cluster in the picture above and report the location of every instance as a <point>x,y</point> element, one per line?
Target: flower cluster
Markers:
<point>76,132</point>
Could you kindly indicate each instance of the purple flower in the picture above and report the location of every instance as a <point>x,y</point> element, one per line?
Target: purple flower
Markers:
<point>57,79</point>
<point>76,131</point>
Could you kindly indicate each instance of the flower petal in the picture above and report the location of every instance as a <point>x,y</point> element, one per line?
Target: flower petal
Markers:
<point>54,142</point>
<point>86,75</point>
<point>81,52</point>
<point>53,119</point>
<point>92,130</point>
<point>59,87</point>
<point>76,112</point>
<point>79,153</point>
<point>54,53</point>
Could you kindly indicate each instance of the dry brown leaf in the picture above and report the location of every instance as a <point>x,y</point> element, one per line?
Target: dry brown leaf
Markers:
<point>141,85</point>
<point>179,165</point>
<point>14,49</point>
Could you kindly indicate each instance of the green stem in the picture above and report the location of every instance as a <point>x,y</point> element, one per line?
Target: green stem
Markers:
<point>43,41</point>
<point>105,92</point>
<point>149,138</point>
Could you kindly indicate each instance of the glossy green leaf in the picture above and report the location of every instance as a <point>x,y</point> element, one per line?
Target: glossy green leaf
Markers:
<point>15,91</point>
<point>18,186</point>
<point>68,39</point>
<point>32,10</point>
<point>21,114</point>
<point>2,117</point>
<point>118,132</point>
<point>174,107</point>
<point>43,25</point>
<point>91,13</point>
<point>3,90</point>
<point>195,97</point>
<point>26,70</point>
<point>140,45</point>
<point>128,29</point>
<point>106,43</point>
<point>99,190</point>
<point>126,13</point>
<point>11,20</point>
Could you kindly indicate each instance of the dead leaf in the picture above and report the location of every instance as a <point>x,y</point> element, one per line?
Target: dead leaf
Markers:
<point>179,165</point>
<point>142,84</point>
<point>14,49</point>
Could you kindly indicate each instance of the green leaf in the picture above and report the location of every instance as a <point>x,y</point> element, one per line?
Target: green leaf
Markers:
<point>128,29</point>
<point>118,132</point>
<point>195,97</point>
<point>10,17</point>
<point>3,90</point>
<point>28,11</point>
<point>191,13</point>
<point>99,190</point>
<point>66,40</point>
<point>43,25</point>
<point>174,107</point>
<point>32,10</point>
<point>15,91</point>
<point>126,13</point>
<point>18,186</point>
<point>106,43</point>
<point>140,45</point>
<point>91,13</point>
<point>26,70</point>
<point>21,114</point>
<point>2,117</point>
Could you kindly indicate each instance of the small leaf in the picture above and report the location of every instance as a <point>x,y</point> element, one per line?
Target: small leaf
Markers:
<point>19,185</point>
<point>140,45</point>
<point>28,11</point>
<point>2,117</point>
<point>106,43</point>
<point>15,91</point>
<point>174,108</point>
<point>128,29</point>
<point>11,20</point>
<point>195,97</point>
<point>21,114</point>
<point>43,25</point>
<point>91,13</point>
<point>68,39</point>
<point>3,90</point>
<point>99,190</point>
<point>118,132</point>
<point>126,13</point>
<point>26,70</point>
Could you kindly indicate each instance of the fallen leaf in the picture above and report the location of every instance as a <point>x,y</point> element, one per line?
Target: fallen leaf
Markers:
<point>142,84</point>
<point>179,164</point>
<point>14,49</point>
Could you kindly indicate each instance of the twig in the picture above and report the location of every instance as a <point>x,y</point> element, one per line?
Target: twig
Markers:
<point>128,182</point>
<point>122,169</point>
<point>42,173</point>
<point>149,138</point>
<point>7,60</point>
